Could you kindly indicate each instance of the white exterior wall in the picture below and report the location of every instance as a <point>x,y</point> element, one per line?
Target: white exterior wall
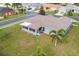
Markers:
<point>76,9</point>
<point>47,30</point>
<point>69,7</point>
<point>34,33</point>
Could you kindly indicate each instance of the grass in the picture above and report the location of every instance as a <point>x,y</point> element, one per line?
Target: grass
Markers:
<point>51,12</point>
<point>13,16</point>
<point>14,41</point>
<point>76,23</point>
<point>74,15</point>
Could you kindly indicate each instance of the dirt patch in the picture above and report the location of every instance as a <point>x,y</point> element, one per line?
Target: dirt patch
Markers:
<point>26,43</point>
<point>59,50</point>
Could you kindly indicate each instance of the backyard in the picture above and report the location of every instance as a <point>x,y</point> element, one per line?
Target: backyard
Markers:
<point>14,41</point>
<point>13,16</point>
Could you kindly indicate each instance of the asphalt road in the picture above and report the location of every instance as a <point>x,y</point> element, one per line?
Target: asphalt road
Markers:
<point>29,14</point>
<point>10,21</point>
<point>77,19</point>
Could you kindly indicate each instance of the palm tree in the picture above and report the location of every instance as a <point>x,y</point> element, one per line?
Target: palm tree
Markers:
<point>16,6</point>
<point>70,13</point>
<point>57,35</point>
<point>7,5</point>
<point>24,8</point>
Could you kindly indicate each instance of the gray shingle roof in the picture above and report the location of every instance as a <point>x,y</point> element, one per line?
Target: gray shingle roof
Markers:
<point>4,9</point>
<point>50,22</point>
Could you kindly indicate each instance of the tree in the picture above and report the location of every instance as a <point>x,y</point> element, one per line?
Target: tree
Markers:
<point>42,12</point>
<point>70,13</point>
<point>24,8</point>
<point>17,6</point>
<point>7,5</point>
<point>57,35</point>
<point>77,4</point>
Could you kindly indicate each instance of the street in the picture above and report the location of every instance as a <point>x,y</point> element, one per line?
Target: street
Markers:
<point>16,20</point>
<point>10,21</point>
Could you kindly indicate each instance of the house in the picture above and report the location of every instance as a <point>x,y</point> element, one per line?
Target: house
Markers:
<point>72,7</point>
<point>50,6</point>
<point>36,6</point>
<point>69,7</point>
<point>44,24</point>
<point>2,5</point>
<point>6,11</point>
<point>32,6</point>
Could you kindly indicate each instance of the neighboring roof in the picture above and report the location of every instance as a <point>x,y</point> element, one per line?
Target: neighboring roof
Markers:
<point>4,9</point>
<point>50,22</point>
<point>51,5</point>
<point>69,7</point>
<point>33,5</point>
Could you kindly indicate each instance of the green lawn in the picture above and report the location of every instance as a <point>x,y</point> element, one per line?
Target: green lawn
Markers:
<point>13,16</point>
<point>14,41</point>
<point>76,23</point>
<point>51,12</point>
<point>75,15</point>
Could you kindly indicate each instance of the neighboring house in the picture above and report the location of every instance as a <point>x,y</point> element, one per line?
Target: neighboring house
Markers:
<point>37,6</point>
<point>24,7</point>
<point>2,5</point>
<point>67,8</point>
<point>51,6</point>
<point>32,6</point>
<point>73,8</point>
<point>44,24</point>
<point>6,11</point>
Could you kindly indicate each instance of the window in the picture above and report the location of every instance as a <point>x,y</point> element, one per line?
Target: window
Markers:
<point>40,30</point>
<point>31,29</point>
<point>25,27</point>
<point>72,10</point>
<point>29,8</point>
